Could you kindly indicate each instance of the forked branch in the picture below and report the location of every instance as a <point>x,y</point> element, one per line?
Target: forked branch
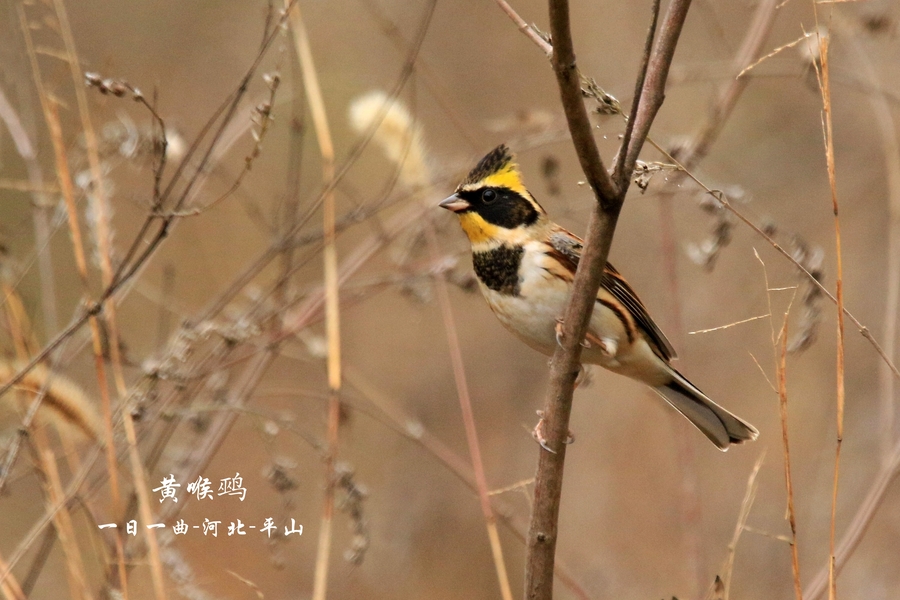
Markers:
<point>610,193</point>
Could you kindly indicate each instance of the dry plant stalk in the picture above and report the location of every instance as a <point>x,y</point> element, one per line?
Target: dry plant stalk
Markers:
<point>128,269</point>
<point>780,348</point>
<point>73,411</point>
<point>890,448</point>
<point>743,514</point>
<point>825,88</point>
<point>64,404</point>
<point>332,298</point>
<point>781,372</point>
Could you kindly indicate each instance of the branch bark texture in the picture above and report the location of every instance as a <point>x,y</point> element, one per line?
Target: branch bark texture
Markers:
<point>610,194</point>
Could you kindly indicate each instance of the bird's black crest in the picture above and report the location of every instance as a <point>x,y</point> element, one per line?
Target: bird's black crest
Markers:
<point>496,160</point>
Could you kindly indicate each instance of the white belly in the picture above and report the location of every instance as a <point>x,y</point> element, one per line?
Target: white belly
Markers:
<point>533,315</point>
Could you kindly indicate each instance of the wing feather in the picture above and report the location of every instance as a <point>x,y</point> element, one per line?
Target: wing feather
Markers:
<point>567,250</point>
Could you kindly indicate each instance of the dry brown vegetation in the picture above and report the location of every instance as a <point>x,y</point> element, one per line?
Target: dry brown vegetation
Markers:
<point>221,254</point>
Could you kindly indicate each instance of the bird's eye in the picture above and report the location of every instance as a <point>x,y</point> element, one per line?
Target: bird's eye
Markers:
<point>488,196</point>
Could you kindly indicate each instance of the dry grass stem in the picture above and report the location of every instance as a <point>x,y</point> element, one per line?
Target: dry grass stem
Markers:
<point>723,200</point>
<point>743,515</point>
<point>781,371</point>
<point>332,298</point>
<point>823,74</point>
<point>525,28</point>
<point>780,349</point>
<point>729,325</point>
<point>253,587</point>
<point>515,487</point>
<point>774,52</point>
<point>858,526</point>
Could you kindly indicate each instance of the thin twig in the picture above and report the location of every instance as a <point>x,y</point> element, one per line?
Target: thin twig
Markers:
<point>653,93</point>
<point>525,28</point>
<point>726,204</point>
<point>729,325</point>
<point>465,402</point>
<point>10,587</point>
<point>620,171</point>
<point>64,529</point>
<point>725,99</point>
<point>49,515</point>
<point>41,209</point>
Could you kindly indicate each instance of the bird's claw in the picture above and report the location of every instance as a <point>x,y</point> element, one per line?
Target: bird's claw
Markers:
<point>538,434</point>
<point>559,335</point>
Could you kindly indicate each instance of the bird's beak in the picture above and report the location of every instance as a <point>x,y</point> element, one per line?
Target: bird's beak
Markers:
<point>454,203</point>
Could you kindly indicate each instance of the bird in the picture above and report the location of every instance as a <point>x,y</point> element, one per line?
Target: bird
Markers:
<point>525,267</point>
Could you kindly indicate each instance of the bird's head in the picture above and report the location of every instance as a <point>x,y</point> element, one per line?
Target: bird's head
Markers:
<point>492,203</point>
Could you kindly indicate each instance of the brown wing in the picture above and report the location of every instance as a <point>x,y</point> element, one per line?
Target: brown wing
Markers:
<point>568,249</point>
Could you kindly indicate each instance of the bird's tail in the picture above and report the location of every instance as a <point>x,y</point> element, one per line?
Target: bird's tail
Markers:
<point>720,426</point>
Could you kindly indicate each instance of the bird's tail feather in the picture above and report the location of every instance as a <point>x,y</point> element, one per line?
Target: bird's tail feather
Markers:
<point>720,426</point>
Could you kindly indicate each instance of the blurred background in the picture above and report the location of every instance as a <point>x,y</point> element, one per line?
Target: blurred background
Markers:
<point>221,353</point>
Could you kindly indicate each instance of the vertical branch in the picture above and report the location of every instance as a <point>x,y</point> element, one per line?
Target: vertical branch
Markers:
<point>825,88</point>
<point>332,307</point>
<point>465,402</point>
<point>542,536</point>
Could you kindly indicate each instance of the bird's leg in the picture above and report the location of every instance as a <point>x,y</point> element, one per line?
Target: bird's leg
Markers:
<point>538,434</point>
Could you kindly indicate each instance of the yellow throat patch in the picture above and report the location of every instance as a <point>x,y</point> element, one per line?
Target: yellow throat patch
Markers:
<point>477,229</point>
